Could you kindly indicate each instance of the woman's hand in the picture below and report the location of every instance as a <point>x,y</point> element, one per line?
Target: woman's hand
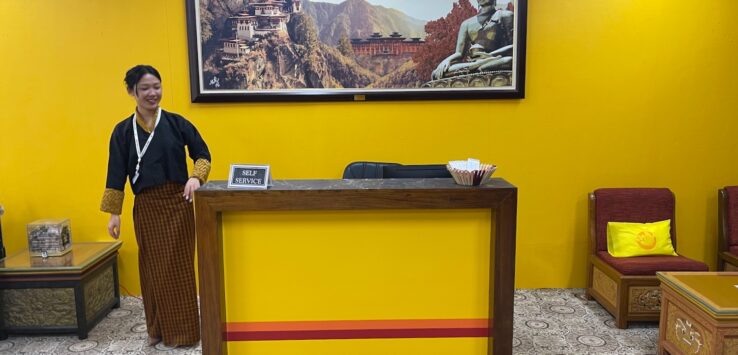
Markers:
<point>192,185</point>
<point>114,226</point>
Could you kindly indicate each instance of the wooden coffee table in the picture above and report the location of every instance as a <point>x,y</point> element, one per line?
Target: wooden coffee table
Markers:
<point>699,313</point>
<point>68,293</point>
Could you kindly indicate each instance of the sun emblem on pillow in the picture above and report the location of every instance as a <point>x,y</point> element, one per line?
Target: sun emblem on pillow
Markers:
<point>646,240</point>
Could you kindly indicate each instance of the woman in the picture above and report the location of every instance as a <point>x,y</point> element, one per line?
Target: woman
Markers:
<point>148,148</point>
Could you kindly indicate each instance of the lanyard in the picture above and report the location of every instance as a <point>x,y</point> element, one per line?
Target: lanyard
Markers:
<point>140,152</point>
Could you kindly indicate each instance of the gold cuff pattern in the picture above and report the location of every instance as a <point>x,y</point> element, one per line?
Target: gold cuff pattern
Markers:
<point>201,170</point>
<point>112,201</point>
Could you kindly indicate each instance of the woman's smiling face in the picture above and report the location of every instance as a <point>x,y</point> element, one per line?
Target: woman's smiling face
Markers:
<point>147,92</point>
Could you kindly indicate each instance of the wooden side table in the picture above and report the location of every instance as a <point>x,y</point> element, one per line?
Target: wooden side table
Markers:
<point>68,293</point>
<point>699,313</point>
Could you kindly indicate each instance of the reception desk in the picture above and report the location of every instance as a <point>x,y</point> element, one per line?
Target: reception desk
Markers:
<point>214,198</point>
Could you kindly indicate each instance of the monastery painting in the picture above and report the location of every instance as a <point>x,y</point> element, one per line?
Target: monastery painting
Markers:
<point>357,46</point>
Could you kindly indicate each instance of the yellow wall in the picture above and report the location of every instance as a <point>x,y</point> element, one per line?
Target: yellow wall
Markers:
<point>618,93</point>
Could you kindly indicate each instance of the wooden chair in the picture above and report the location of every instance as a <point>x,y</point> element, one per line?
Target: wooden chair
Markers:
<point>628,287</point>
<point>728,229</point>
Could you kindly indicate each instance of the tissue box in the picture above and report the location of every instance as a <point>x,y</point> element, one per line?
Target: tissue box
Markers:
<point>49,237</point>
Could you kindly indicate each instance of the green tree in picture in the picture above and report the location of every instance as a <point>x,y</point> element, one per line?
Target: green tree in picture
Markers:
<point>344,46</point>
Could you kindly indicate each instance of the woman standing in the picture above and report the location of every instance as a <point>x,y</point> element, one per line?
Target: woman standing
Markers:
<point>148,148</point>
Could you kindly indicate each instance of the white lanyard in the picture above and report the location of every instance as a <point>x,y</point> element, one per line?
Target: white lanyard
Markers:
<point>140,152</point>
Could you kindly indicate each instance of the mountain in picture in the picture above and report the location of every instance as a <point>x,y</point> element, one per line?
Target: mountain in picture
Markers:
<point>360,19</point>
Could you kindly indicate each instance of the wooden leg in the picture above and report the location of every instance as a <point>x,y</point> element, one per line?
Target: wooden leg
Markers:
<point>621,323</point>
<point>79,305</point>
<point>212,293</point>
<point>116,284</point>
<point>3,333</point>
<point>623,303</point>
<point>590,281</point>
<point>503,269</point>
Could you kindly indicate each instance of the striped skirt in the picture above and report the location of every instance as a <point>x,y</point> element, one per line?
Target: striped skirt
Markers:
<point>165,231</point>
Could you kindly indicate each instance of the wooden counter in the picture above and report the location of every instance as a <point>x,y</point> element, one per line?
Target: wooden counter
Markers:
<point>214,198</point>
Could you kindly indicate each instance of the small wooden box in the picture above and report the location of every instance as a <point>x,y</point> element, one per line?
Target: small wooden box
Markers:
<point>49,237</point>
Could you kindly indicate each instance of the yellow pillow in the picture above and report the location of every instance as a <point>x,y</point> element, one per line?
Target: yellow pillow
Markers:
<point>633,239</point>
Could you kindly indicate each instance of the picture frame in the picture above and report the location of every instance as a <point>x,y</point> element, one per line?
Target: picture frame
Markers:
<point>321,50</point>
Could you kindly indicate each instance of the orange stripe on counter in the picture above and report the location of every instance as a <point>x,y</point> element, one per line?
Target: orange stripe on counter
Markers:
<point>357,329</point>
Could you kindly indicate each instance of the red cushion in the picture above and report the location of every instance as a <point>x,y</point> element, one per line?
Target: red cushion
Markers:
<point>731,214</point>
<point>649,265</point>
<point>639,205</point>
<point>733,250</point>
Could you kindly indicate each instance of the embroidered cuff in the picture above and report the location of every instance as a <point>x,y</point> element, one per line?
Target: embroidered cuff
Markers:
<point>112,201</point>
<point>201,170</point>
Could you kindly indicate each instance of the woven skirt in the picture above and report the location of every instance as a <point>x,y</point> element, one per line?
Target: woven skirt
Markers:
<point>165,231</point>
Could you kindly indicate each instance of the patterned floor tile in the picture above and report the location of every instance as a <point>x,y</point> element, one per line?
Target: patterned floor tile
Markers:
<point>563,321</point>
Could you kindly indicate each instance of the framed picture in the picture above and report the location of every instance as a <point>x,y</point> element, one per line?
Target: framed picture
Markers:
<point>320,50</point>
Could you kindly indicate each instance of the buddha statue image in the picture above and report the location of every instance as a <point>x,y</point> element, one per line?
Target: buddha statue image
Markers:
<point>485,43</point>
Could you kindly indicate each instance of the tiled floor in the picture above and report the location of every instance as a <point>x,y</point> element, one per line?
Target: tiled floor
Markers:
<point>123,331</point>
<point>561,321</point>
<point>547,321</point>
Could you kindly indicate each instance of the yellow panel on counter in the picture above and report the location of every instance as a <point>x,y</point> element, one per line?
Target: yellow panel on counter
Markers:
<point>356,265</point>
